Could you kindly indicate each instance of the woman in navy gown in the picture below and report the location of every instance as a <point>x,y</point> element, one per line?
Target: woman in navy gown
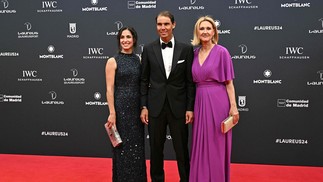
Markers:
<point>122,80</point>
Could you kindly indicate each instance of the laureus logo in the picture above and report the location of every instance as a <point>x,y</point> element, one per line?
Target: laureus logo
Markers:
<point>53,95</point>
<point>5,6</point>
<point>74,72</point>
<point>321,20</point>
<point>53,101</point>
<point>243,56</point>
<point>321,74</point>
<point>243,48</point>
<point>119,25</point>
<point>317,31</point>
<point>191,7</point>
<point>28,34</point>
<point>5,3</point>
<point>74,80</point>
<point>317,83</point>
<point>28,25</point>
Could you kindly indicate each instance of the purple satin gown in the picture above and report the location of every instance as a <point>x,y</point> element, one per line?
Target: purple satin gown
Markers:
<point>211,150</point>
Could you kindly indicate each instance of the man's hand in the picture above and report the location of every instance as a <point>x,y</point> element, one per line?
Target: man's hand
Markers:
<point>189,117</point>
<point>144,116</point>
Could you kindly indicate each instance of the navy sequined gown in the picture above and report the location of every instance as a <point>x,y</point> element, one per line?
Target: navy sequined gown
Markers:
<point>129,163</point>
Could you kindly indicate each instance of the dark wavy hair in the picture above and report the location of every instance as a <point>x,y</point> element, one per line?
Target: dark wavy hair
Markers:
<point>166,14</point>
<point>134,36</point>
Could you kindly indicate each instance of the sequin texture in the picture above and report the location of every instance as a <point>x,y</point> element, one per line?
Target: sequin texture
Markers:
<point>129,158</point>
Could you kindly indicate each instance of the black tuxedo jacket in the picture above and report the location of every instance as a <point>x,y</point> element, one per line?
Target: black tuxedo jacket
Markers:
<point>178,89</point>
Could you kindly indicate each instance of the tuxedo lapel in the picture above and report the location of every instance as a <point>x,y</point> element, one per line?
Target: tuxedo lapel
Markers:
<point>159,57</point>
<point>176,55</point>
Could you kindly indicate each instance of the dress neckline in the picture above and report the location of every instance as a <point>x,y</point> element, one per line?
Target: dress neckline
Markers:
<point>206,58</point>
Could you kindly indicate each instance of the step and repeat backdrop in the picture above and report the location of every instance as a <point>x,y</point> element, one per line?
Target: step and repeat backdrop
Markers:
<point>52,84</point>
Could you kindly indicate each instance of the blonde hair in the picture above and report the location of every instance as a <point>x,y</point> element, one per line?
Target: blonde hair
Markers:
<point>196,41</point>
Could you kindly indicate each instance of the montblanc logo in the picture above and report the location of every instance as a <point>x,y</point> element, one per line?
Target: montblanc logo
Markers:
<point>72,30</point>
<point>6,9</point>
<point>30,76</point>
<point>243,56</point>
<point>242,102</point>
<point>97,95</point>
<point>295,5</point>
<point>53,96</point>
<point>96,102</point>
<point>94,2</point>
<point>293,103</point>
<point>191,7</point>
<point>220,31</point>
<point>49,7</point>
<point>142,4</point>
<point>4,98</point>
<point>317,31</point>
<point>51,50</point>
<point>95,53</point>
<point>267,74</point>
<point>294,53</point>
<point>317,83</point>
<point>119,25</point>
<point>242,4</point>
<point>94,7</point>
<point>28,34</point>
<point>74,80</point>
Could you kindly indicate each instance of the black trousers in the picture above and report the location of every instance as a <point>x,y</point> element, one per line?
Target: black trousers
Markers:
<point>157,128</point>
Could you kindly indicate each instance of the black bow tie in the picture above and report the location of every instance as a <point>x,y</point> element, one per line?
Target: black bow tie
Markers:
<point>169,44</point>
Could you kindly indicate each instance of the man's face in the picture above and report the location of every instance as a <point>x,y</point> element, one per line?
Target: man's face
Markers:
<point>165,28</point>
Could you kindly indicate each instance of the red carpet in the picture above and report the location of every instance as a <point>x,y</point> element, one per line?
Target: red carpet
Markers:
<point>32,168</point>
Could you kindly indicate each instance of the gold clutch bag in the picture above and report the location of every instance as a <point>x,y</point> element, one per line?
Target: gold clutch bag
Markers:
<point>113,135</point>
<point>227,124</point>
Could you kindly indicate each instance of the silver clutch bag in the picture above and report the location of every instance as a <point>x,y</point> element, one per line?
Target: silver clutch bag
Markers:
<point>113,135</point>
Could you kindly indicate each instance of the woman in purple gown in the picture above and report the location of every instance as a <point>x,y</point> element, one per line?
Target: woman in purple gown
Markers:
<point>215,100</point>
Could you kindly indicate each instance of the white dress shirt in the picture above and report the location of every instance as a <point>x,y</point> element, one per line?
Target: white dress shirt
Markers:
<point>167,54</point>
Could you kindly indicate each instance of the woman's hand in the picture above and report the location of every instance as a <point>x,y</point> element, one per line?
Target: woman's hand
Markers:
<point>235,113</point>
<point>111,120</point>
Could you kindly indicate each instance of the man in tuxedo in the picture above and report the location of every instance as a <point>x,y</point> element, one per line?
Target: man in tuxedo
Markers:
<point>167,96</point>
